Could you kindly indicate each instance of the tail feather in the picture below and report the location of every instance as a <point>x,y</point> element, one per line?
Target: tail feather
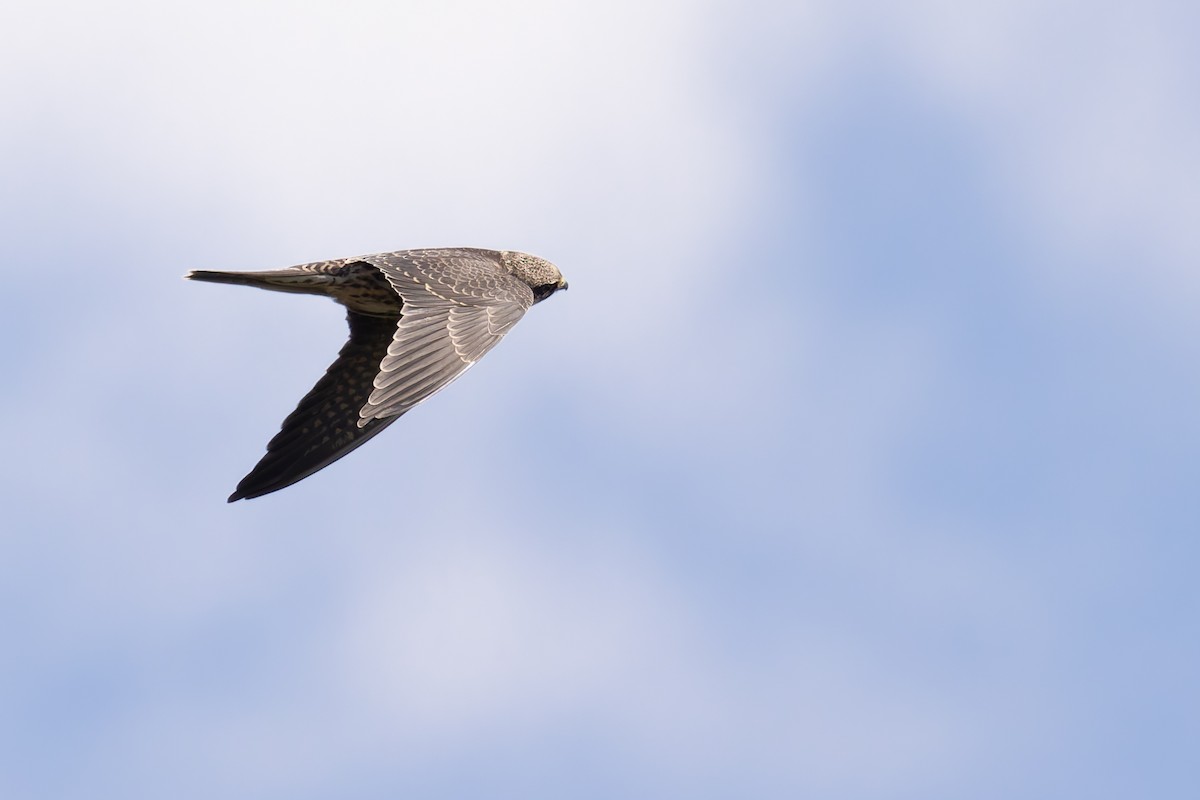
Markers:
<point>293,279</point>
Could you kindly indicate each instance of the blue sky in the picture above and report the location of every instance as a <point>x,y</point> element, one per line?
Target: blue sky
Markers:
<point>858,462</point>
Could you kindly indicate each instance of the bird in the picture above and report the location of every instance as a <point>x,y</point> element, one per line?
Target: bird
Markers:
<point>418,319</point>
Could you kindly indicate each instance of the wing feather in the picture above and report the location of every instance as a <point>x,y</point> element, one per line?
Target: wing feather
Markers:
<point>326,424</point>
<point>457,306</point>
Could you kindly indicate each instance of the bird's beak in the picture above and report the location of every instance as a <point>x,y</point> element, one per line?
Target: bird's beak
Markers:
<point>562,285</point>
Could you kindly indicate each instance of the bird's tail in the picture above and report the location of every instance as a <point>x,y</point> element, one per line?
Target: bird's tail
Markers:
<point>292,279</point>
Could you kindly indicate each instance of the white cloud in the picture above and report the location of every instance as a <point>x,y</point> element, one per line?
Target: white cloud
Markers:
<point>480,632</point>
<point>394,125</point>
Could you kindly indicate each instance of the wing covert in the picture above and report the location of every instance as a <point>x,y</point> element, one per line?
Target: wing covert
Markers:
<point>457,307</point>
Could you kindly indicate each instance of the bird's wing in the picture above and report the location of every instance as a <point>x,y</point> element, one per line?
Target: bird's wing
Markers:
<point>457,306</point>
<point>325,425</point>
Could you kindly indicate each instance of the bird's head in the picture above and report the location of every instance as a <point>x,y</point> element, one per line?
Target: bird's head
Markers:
<point>539,274</point>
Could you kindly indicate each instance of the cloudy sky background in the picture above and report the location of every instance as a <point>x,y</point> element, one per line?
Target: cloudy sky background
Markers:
<point>858,462</point>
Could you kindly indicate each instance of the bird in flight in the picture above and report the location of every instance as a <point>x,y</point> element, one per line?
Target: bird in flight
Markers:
<point>418,319</point>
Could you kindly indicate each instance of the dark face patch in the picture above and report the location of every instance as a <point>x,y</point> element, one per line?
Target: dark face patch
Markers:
<point>540,293</point>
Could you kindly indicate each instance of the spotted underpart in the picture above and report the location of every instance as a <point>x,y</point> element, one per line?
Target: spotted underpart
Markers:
<point>418,319</point>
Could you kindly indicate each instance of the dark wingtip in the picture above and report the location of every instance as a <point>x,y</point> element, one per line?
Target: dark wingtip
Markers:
<point>237,495</point>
